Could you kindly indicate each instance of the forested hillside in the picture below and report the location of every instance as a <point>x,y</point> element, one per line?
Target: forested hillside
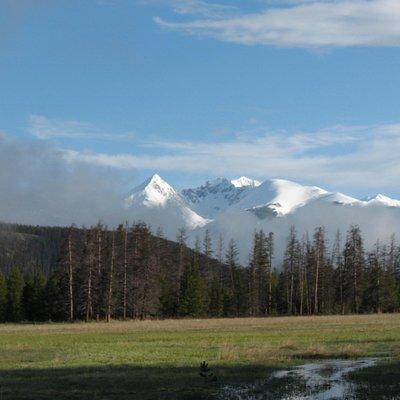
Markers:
<point>102,274</point>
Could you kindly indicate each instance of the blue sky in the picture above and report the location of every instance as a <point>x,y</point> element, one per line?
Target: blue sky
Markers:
<point>305,90</point>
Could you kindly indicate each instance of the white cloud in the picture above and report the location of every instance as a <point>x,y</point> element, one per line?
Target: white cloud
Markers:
<point>195,7</point>
<point>346,156</point>
<point>45,128</point>
<point>39,187</point>
<point>309,24</point>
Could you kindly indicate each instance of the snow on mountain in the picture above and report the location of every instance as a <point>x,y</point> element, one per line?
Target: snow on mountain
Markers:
<point>380,199</point>
<point>244,181</point>
<point>153,192</point>
<point>340,199</point>
<point>234,209</point>
<point>278,197</point>
<point>156,203</point>
<point>215,196</point>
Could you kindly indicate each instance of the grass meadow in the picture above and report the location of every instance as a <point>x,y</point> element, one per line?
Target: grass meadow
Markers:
<point>160,359</point>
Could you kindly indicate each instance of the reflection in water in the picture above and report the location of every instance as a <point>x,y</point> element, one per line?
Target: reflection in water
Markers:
<point>315,381</point>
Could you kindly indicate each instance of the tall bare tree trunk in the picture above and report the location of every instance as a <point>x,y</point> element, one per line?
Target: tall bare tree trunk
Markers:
<point>291,288</point>
<point>110,278</point>
<point>89,300</point>
<point>317,267</point>
<point>270,254</point>
<point>70,279</point>
<point>125,279</point>
<point>99,253</point>
<point>301,283</point>
<point>341,288</point>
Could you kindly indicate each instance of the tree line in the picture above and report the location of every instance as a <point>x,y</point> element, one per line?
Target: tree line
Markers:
<point>130,273</point>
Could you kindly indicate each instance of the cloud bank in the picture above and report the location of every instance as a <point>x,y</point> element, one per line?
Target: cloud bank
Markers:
<point>307,24</point>
<point>346,156</point>
<point>37,186</point>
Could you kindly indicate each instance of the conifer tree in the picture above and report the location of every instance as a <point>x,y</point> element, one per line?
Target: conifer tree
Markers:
<point>320,268</point>
<point>39,287</point>
<point>28,298</point>
<point>15,285</point>
<point>191,298</point>
<point>290,265</point>
<point>3,298</point>
<point>231,301</point>
<point>54,298</point>
<point>337,262</point>
<point>354,265</point>
<point>215,298</point>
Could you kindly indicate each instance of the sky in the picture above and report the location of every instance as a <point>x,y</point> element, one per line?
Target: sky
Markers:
<point>104,93</point>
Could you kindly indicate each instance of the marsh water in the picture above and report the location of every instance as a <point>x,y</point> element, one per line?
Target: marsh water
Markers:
<point>325,380</point>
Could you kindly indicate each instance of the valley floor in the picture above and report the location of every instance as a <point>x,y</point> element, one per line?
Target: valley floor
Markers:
<point>160,359</point>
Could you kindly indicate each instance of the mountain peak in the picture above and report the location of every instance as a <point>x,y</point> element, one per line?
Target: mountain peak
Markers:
<point>153,191</point>
<point>244,181</point>
<point>382,199</point>
<point>156,180</point>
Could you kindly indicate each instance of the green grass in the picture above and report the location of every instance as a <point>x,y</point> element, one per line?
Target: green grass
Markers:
<point>380,382</point>
<point>160,359</point>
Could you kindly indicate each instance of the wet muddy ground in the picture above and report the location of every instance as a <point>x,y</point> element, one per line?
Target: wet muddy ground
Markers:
<point>325,380</point>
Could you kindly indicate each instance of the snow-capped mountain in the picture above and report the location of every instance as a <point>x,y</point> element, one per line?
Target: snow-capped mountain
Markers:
<point>159,205</point>
<point>235,208</point>
<point>215,196</point>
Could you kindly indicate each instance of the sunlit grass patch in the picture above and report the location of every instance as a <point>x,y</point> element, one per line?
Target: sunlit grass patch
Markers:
<point>165,352</point>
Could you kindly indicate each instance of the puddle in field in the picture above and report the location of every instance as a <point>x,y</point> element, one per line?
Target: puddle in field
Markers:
<point>325,380</point>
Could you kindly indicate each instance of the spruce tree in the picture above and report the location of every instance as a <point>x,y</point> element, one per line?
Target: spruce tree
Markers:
<point>3,298</point>
<point>215,298</point>
<point>192,291</point>
<point>54,298</point>
<point>28,299</point>
<point>15,284</point>
<point>354,265</point>
<point>39,287</point>
<point>231,303</point>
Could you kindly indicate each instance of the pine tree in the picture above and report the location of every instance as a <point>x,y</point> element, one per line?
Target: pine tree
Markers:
<point>192,291</point>
<point>270,251</point>
<point>391,291</point>
<point>125,273</point>
<point>15,284</point>
<point>33,296</point>
<point>320,269</point>
<point>98,287</point>
<point>110,278</point>
<point>3,298</point>
<point>54,298</point>
<point>253,282</point>
<point>231,303</point>
<point>181,239</point>
<point>28,298</point>
<point>354,265</point>
<point>373,279</point>
<point>290,265</point>
<point>337,262</point>
<point>216,298</point>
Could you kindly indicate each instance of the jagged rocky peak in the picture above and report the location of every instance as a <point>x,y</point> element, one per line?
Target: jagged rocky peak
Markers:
<point>217,195</point>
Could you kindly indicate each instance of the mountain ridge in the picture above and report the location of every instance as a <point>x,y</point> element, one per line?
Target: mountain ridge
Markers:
<point>235,208</point>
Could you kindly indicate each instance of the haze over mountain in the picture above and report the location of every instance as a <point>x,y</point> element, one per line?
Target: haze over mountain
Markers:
<point>235,209</point>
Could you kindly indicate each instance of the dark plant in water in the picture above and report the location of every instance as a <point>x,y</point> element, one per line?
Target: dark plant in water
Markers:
<point>206,373</point>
